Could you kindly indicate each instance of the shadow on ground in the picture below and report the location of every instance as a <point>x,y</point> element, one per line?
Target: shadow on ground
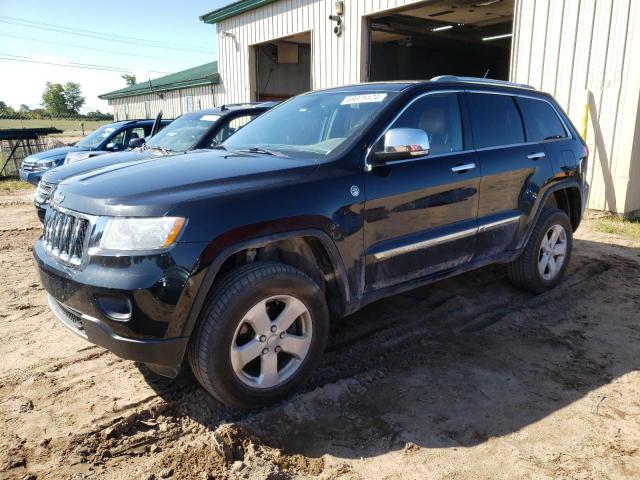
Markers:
<point>452,364</point>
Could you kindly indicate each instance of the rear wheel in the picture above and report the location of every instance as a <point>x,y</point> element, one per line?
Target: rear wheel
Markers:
<point>546,256</point>
<point>260,335</point>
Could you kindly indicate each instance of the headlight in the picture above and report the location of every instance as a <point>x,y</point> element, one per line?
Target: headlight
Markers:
<point>47,165</point>
<point>76,157</point>
<point>141,233</point>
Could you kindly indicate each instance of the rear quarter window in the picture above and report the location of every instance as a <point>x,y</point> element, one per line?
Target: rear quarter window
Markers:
<point>541,120</point>
<point>496,120</point>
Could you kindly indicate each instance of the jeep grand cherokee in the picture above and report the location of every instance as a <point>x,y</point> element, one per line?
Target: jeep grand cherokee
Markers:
<point>235,259</point>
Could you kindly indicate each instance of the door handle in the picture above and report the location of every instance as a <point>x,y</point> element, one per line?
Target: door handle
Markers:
<point>463,167</point>
<point>536,155</point>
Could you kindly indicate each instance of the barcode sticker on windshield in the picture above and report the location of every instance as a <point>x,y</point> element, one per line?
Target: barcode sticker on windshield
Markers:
<point>209,118</point>
<point>368,98</point>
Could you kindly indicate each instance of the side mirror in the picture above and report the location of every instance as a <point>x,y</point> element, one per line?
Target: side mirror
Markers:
<point>401,144</point>
<point>136,142</point>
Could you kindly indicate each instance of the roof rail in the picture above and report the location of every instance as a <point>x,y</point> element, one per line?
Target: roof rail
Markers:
<point>245,105</point>
<point>483,81</point>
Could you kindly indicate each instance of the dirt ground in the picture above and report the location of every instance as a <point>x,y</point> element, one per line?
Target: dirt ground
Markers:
<point>466,378</point>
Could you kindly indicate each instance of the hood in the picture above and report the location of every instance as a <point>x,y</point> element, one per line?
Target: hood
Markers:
<point>151,187</point>
<point>54,152</point>
<point>69,170</point>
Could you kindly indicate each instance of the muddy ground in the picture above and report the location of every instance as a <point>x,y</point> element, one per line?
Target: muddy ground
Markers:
<point>467,378</point>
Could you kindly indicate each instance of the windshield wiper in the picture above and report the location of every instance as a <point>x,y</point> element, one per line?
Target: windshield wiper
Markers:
<point>261,150</point>
<point>219,147</point>
<point>166,151</point>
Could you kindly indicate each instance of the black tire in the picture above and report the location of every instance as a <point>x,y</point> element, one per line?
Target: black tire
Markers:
<point>231,298</point>
<point>524,272</point>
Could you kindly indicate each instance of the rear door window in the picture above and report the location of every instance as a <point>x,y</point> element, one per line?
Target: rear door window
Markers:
<point>496,120</point>
<point>541,120</point>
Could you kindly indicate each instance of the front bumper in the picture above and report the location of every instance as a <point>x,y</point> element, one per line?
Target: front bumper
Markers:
<point>163,356</point>
<point>33,177</point>
<point>153,287</point>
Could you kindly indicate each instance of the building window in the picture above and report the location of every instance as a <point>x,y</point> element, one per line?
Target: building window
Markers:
<point>189,103</point>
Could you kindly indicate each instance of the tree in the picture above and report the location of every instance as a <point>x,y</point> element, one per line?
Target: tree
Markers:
<point>130,79</point>
<point>54,100</point>
<point>72,97</point>
<point>24,108</point>
<point>6,111</point>
<point>62,100</point>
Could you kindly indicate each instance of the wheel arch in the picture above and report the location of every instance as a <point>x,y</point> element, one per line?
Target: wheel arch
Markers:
<point>310,250</point>
<point>565,195</point>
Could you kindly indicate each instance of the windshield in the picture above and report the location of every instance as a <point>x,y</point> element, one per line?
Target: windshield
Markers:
<point>96,137</point>
<point>183,133</point>
<point>314,124</point>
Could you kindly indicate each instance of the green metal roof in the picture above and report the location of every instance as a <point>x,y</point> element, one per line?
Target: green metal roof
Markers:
<point>233,9</point>
<point>206,74</point>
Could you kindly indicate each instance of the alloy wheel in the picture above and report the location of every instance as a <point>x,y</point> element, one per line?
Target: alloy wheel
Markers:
<point>271,342</point>
<point>552,252</point>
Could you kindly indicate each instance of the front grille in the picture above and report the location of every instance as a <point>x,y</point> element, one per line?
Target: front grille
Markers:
<point>65,236</point>
<point>44,191</point>
<point>28,166</point>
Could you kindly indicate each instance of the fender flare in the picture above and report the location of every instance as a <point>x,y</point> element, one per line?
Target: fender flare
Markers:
<point>562,184</point>
<point>255,242</point>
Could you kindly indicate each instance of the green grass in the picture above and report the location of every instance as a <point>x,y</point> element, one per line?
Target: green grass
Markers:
<point>618,226</point>
<point>13,185</point>
<point>64,125</point>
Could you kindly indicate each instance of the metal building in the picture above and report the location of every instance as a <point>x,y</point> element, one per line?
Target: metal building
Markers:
<point>173,94</point>
<point>581,51</point>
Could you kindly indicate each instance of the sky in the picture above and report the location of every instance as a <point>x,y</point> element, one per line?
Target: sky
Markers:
<point>186,42</point>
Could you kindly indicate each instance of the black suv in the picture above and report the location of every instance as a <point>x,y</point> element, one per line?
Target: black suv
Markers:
<point>236,259</point>
<point>203,129</point>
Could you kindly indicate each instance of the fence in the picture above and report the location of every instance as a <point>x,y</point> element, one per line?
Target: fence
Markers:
<point>16,144</point>
<point>76,125</point>
<point>23,134</point>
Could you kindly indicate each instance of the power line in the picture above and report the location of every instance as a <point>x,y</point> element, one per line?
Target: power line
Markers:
<point>87,66</point>
<point>101,35</point>
<point>85,48</point>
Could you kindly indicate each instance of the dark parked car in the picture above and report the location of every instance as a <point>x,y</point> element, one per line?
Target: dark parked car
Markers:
<point>113,137</point>
<point>235,259</point>
<point>197,130</point>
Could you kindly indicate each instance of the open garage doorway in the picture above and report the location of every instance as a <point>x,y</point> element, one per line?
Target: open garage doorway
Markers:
<point>449,37</point>
<point>282,67</point>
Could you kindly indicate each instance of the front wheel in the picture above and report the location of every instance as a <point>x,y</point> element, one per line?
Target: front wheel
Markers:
<point>546,256</point>
<point>261,333</point>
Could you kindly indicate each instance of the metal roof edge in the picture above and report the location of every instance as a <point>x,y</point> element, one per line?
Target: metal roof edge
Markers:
<point>232,10</point>
<point>212,80</point>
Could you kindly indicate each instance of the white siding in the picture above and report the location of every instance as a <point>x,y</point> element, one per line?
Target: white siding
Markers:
<point>569,47</point>
<point>565,47</point>
<point>335,60</point>
<point>173,103</point>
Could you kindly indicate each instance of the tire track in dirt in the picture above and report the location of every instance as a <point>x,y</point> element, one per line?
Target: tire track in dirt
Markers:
<point>424,368</point>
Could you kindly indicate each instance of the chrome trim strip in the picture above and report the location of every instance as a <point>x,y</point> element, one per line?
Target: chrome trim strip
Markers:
<point>498,223</point>
<point>445,238</point>
<point>425,244</point>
